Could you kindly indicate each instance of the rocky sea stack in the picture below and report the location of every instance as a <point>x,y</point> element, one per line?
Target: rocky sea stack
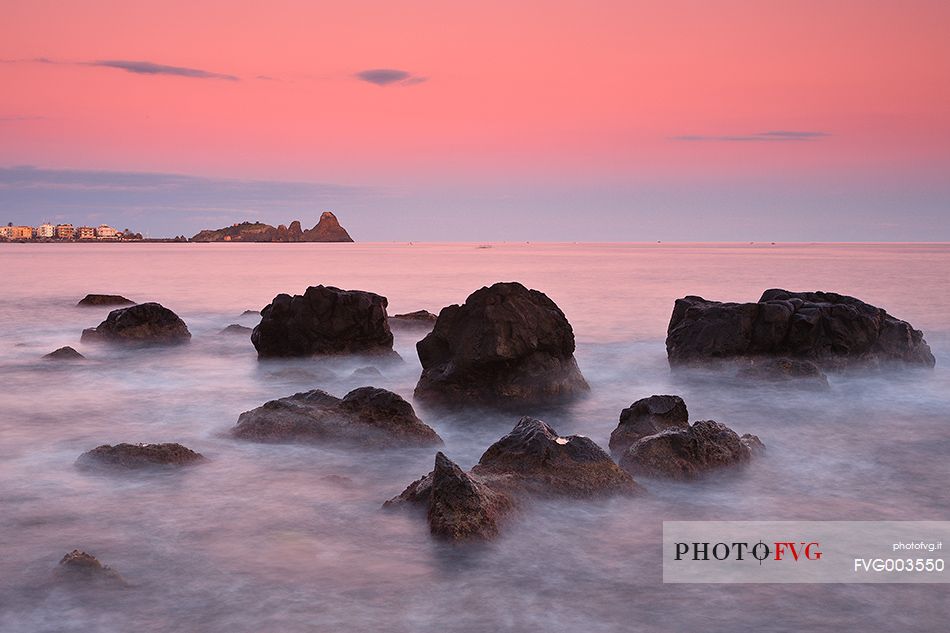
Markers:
<point>138,456</point>
<point>328,229</point>
<point>64,353</point>
<point>834,331</point>
<point>142,324</point>
<point>505,345</point>
<point>366,417</point>
<point>324,321</point>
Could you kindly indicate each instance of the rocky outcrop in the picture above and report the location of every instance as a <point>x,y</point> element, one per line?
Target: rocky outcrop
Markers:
<point>236,328</point>
<point>80,567</point>
<point>324,321</point>
<point>64,353</point>
<point>417,319</point>
<point>103,300</point>
<point>831,330</point>
<point>648,416</point>
<point>138,456</point>
<point>793,371</point>
<point>533,458</point>
<point>531,461</point>
<point>365,417</point>
<point>690,452</point>
<point>327,229</point>
<point>144,323</point>
<point>505,345</point>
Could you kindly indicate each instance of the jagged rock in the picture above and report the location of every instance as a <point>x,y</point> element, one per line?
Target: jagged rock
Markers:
<point>795,371</point>
<point>505,345</point>
<point>460,507</point>
<point>367,416</point>
<point>648,416</point>
<point>534,458</point>
<point>235,328</point>
<point>78,566</point>
<point>753,444</point>
<point>144,323</point>
<point>328,229</point>
<point>690,452</point>
<point>832,330</point>
<point>103,300</point>
<point>324,320</point>
<point>64,353</point>
<point>136,456</point>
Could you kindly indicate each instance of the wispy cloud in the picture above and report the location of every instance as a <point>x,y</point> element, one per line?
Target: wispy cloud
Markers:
<point>151,68</point>
<point>137,67</point>
<point>770,136</point>
<point>389,76</point>
<point>16,118</point>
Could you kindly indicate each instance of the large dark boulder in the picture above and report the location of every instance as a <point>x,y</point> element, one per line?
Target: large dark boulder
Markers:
<point>367,417</point>
<point>505,345</point>
<point>92,301</point>
<point>688,453</point>
<point>535,459</point>
<point>138,456</point>
<point>648,416</point>
<point>324,321</point>
<point>832,330</point>
<point>144,323</point>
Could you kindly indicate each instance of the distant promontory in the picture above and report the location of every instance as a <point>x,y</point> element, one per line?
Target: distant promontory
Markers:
<point>328,229</point>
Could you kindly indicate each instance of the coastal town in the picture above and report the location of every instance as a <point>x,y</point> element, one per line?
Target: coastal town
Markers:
<point>47,232</point>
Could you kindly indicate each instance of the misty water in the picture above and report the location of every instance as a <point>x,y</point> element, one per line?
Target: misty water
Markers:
<point>292,538</point>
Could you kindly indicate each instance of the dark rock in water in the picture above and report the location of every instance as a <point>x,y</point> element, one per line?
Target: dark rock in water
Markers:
<point>367,416</point>
<point>753,443</point>
<point>327,229</point>
<point>366,372</point>
<point>104,300</point>
<point>144,323</point>
<point>505,345</point>
<point>135,456</point>
<point>534,458</point>
<point>832,330</point>
<point>795,371</point>
<point>690,452</point>
<point>648,416</point>
<point>417,319</point>
<point>64,353</point>
<point>324,320</point>
<point>78,566</point>
<point>460,507</point>
<point>251,313</point>
<point>235,328</point>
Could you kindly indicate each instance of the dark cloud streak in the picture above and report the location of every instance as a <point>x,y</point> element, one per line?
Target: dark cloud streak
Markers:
<point>151,68</point>
<point>389,76</point>
<point>770,136</point>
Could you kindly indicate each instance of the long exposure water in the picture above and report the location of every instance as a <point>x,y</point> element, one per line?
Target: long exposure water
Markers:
<point>292,538</point>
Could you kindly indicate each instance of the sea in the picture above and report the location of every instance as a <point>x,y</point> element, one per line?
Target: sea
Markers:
<point>287,538</point>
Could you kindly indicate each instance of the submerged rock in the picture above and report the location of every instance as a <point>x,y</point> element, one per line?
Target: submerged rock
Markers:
<point>366,372</point>
<point>367,416</point>
<point>137,456</point>
<point>104,300</point>
<point>144,323</point>
<point>417,319</point>
<point>648,416</point>
<point>78,566</point>
<point>236,328</point>
<point>251,313</point>
<point>64,353</point>
<point>689,452</point>
<point>534,458</point>
<point>324,321</point>
<point>505,345</point>
<point>794,371</point>
<point>531,461</point>
<point>832,330</point>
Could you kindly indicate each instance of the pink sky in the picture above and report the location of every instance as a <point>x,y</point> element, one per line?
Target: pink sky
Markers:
<point>516,95</point>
